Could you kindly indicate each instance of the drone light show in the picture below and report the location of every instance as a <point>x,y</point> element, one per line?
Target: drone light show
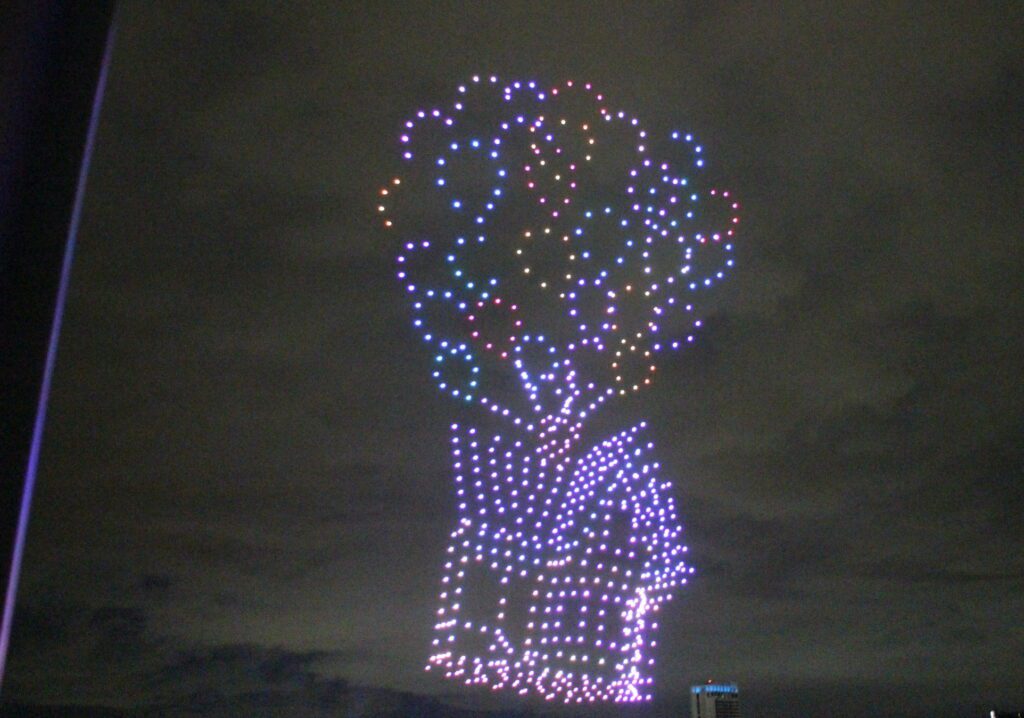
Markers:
<point>553,252</point>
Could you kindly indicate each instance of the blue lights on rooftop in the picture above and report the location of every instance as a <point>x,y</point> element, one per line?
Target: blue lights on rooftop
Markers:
<point>729,688</point>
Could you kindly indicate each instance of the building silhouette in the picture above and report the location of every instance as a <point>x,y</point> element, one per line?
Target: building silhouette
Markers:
<point>715,700</point>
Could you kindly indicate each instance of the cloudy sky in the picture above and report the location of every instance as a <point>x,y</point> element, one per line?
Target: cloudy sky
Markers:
<point>245,485</point>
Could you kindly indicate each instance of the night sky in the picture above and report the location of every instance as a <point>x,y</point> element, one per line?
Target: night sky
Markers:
<point>245,493</point>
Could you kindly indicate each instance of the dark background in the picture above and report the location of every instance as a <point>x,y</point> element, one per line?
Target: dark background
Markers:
<point>245,497</point>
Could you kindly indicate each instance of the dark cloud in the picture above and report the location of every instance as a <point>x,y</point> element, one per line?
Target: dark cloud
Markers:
<point>159,677</point>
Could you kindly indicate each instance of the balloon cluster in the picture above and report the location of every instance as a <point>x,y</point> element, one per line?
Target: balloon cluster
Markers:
<point>551,250</point>
<point>550,242</point>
